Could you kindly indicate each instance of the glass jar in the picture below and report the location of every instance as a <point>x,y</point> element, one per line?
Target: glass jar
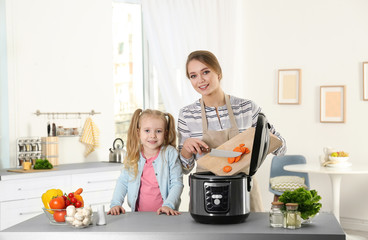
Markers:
<point>292,219</point>
<point>60,131</point>
<point>276,214</point>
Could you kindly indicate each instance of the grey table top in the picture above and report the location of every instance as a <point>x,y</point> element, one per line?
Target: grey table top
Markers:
<point>63,169</point>
<point>149,225</point>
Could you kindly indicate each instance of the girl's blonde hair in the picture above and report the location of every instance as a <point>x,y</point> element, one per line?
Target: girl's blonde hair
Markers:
<point>133,142</point>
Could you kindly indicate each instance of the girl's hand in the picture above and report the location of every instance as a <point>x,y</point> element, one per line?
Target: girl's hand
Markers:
<point>167,210</point>
<point>193,146</point>
<point>116,210</point>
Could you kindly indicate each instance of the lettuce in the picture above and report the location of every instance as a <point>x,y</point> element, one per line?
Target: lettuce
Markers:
<point>42,164</point>
<point>308,201</point>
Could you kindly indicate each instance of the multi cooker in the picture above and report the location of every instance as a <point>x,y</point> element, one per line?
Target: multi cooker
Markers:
<point>226,199</point>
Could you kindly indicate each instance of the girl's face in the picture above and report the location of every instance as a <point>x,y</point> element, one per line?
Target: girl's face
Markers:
<point>204,80</point>
<point>151,133</point>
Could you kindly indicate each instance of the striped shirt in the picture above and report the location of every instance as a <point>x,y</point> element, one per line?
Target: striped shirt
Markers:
<point>190,123</point>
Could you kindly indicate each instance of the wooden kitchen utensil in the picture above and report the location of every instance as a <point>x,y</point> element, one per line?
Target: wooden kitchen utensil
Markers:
<point>30,170</point>
<point>216,164</point>
<point>50,149</point>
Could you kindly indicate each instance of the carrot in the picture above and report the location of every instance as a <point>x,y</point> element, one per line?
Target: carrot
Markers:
<point>79,191</point>
<point>247,150</point>
<point>231,160</point>
<point>227,169</point>
<point>238,158</point>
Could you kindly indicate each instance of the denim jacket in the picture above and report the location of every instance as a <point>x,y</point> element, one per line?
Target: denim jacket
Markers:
<point>169,177</point>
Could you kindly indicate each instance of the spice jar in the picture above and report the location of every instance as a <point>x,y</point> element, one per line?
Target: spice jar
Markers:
<point>60,131</point>
<point>292,219</point>
<point>276,214</point>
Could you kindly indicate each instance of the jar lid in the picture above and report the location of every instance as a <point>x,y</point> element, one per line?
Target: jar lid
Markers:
<point>291,206</point>
<point>277,203</point>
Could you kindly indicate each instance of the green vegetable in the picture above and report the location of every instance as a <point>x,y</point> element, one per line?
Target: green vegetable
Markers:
<point>42,164</point>
<point>308,201</point>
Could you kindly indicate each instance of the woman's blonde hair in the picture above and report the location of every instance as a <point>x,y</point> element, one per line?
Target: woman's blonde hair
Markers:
<point>133,142</point>
<point>207,58</point>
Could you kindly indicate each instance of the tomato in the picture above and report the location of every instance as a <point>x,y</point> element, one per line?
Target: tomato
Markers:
<point>78,204</point>
<point>73,200</point>
<point>67,203</point>
<point>59,216</point>
<point>71,195</point>
<point>65,198</point>
<point>57,203</point>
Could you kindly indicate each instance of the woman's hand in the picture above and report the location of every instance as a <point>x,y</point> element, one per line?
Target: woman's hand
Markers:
<point>167,210</point>
<point>193,146</point>
<point>116,210</point>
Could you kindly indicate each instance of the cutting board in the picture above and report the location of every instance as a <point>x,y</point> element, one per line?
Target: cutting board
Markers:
<point>21,170</point>
<point>216,164</point>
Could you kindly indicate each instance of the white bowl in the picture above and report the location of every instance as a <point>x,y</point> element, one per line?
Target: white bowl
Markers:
<point>339,159</point>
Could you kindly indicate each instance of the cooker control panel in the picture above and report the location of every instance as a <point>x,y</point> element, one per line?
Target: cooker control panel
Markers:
<point>216,197</point>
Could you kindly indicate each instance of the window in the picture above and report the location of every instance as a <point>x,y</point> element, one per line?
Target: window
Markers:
<point>4,122</point>
<point>131,69</point>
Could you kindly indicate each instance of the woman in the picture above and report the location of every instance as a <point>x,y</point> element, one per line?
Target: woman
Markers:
<point>216,117</point>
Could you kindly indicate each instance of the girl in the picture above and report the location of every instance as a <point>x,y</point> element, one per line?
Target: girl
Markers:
<point>152,174</point>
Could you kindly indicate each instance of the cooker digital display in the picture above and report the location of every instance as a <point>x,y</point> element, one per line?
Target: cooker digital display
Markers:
<point>217,197</point>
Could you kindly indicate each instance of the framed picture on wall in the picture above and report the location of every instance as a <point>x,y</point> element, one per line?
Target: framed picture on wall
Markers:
<point>289,91</point>
<point>332,101</point>
<point>365,81</point>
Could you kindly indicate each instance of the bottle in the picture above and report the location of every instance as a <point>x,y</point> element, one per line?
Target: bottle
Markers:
<point>276,214</point>
<point>101,215</point>
<point>292,219</point>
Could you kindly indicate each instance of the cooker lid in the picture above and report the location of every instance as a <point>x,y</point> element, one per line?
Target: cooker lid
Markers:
<point>261,144</point>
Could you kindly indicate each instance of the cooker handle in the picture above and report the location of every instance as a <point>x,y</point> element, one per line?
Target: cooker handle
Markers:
<point>249,181</point>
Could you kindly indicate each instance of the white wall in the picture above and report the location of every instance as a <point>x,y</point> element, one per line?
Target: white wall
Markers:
<point>328,41</point>
<point>60,60</point>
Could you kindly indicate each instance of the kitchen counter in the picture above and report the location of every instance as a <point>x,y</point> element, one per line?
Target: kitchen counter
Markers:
<point>149,225</point>
<point>62,169</point>
<point>22,200</point>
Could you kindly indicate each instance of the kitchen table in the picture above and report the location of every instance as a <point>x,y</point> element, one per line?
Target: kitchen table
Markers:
<point>149,225</point>
<point>335,176</point>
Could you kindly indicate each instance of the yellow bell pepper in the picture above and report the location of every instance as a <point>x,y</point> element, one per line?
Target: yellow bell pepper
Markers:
<point>48,195</point>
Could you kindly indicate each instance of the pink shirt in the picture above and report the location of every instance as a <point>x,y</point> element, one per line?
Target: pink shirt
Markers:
<point>149,199</point>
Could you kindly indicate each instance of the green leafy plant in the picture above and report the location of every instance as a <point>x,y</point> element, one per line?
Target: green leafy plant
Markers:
<point>43,164</point>
<point>308,201</point>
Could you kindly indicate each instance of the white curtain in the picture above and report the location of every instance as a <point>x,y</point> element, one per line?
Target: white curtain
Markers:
<point>175,28</point>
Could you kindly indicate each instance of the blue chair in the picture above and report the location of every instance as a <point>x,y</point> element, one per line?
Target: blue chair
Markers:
<point>277,169</point>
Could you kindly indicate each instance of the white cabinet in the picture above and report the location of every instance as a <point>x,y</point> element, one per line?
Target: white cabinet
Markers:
<point>20,199</point>
<point>30,188</point>
<point>17,211</point>
<point>97,187</point>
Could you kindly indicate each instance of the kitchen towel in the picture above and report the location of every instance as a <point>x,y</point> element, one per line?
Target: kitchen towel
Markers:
<point>90,136</point>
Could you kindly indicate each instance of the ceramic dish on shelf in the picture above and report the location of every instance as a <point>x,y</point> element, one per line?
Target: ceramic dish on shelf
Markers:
<point>339,165</point>
<point>339,159</point>
<point>59,215</point>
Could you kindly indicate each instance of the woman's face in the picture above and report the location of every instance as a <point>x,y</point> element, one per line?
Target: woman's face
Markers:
<point>204,80</point>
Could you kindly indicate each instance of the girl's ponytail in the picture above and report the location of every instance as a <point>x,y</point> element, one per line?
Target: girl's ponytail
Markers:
<point>171,131</point>
<point>133,145</point>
